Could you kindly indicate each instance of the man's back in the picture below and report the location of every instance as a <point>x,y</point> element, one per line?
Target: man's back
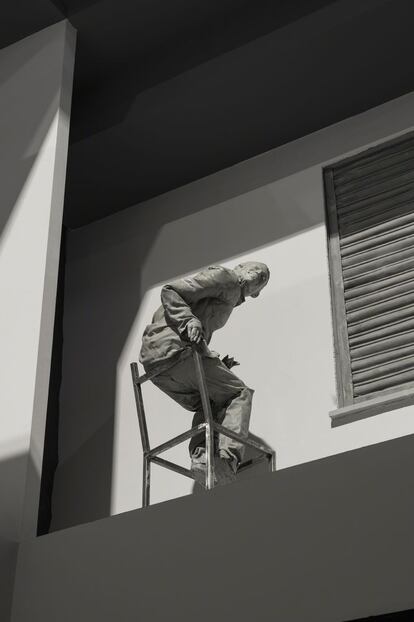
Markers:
<point>210,296</point>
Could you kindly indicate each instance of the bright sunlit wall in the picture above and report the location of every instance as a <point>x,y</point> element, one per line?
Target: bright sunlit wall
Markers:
<point>270,208</point>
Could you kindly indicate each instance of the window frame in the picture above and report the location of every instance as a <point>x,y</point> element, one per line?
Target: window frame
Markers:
<point>350,408</point>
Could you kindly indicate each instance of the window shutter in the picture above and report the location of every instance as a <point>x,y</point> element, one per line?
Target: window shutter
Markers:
<point>370,217</point>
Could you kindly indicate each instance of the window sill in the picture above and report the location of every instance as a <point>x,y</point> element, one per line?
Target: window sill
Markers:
<point>371,407</point>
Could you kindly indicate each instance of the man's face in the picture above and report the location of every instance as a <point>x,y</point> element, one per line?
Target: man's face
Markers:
<point>254,281</point>
<point>253,286</point>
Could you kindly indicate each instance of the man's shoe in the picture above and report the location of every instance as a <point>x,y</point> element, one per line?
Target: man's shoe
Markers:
<point>225,470</point>
<point>199,466</point>
<point>198,471</point>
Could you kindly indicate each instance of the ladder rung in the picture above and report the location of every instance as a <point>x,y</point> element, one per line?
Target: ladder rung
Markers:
<point>248,464</point>
<point>246,441</point>
<point>171,466</point>
<point>176,440</point>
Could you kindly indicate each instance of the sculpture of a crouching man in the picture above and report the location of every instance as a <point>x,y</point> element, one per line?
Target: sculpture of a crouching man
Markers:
<point>192,309</point>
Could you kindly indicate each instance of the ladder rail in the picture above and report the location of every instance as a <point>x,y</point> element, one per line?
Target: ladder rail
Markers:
<point>140,409</point>
<point>209,430</point>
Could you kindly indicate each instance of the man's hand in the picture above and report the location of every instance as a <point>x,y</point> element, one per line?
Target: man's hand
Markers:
<point>195,331</point>
<point>229,361</point>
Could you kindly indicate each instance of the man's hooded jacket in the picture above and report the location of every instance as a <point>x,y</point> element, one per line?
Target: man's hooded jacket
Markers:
<point>210,296</point>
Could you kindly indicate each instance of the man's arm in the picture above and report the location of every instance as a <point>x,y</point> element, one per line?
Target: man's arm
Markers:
<point>179,296</point>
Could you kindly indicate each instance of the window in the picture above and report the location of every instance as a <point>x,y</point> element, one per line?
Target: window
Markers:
<point>370,219</point>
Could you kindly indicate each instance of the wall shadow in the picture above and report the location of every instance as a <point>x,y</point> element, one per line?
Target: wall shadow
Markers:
<point>21,19</point>
<point>231,108</point>
<point>8,558</point>
<point>12,475</point>
<point>110,266</point>
<point>167,43</point>
<point>51,435</point>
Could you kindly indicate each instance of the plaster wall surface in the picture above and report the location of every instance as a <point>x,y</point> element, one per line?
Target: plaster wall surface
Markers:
<point>270,208</point>
<point>35,89</point>
<point>326,541</point>
<point>8,558</point>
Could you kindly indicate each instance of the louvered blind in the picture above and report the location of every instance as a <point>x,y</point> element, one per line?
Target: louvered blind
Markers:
<point>370,213</point>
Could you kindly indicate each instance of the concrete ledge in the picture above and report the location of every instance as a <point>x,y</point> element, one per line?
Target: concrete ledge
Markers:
<point>325,541</point>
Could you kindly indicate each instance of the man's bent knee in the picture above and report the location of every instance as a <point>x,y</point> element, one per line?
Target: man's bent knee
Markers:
<point>244,393</point>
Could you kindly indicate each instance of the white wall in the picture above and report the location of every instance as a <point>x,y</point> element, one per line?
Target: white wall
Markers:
<point>35,91</point>
<point>269,208</point>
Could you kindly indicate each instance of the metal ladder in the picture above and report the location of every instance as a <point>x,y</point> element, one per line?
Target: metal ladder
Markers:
<point>208,427</point>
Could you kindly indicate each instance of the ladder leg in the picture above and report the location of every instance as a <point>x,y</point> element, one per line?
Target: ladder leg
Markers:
<point>205,401</point>
<point>140,408</point>
<point>209,457</point>
<point>146,482</point>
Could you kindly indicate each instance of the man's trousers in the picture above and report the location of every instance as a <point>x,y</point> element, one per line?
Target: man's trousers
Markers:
<point>230,399</point>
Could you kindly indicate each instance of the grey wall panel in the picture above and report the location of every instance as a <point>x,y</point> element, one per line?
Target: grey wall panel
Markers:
<point>326,541</point>
<point>35,89</point>
<point>8,556</point>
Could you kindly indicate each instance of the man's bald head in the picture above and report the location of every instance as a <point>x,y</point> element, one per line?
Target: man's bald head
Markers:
<point>253,277</point>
